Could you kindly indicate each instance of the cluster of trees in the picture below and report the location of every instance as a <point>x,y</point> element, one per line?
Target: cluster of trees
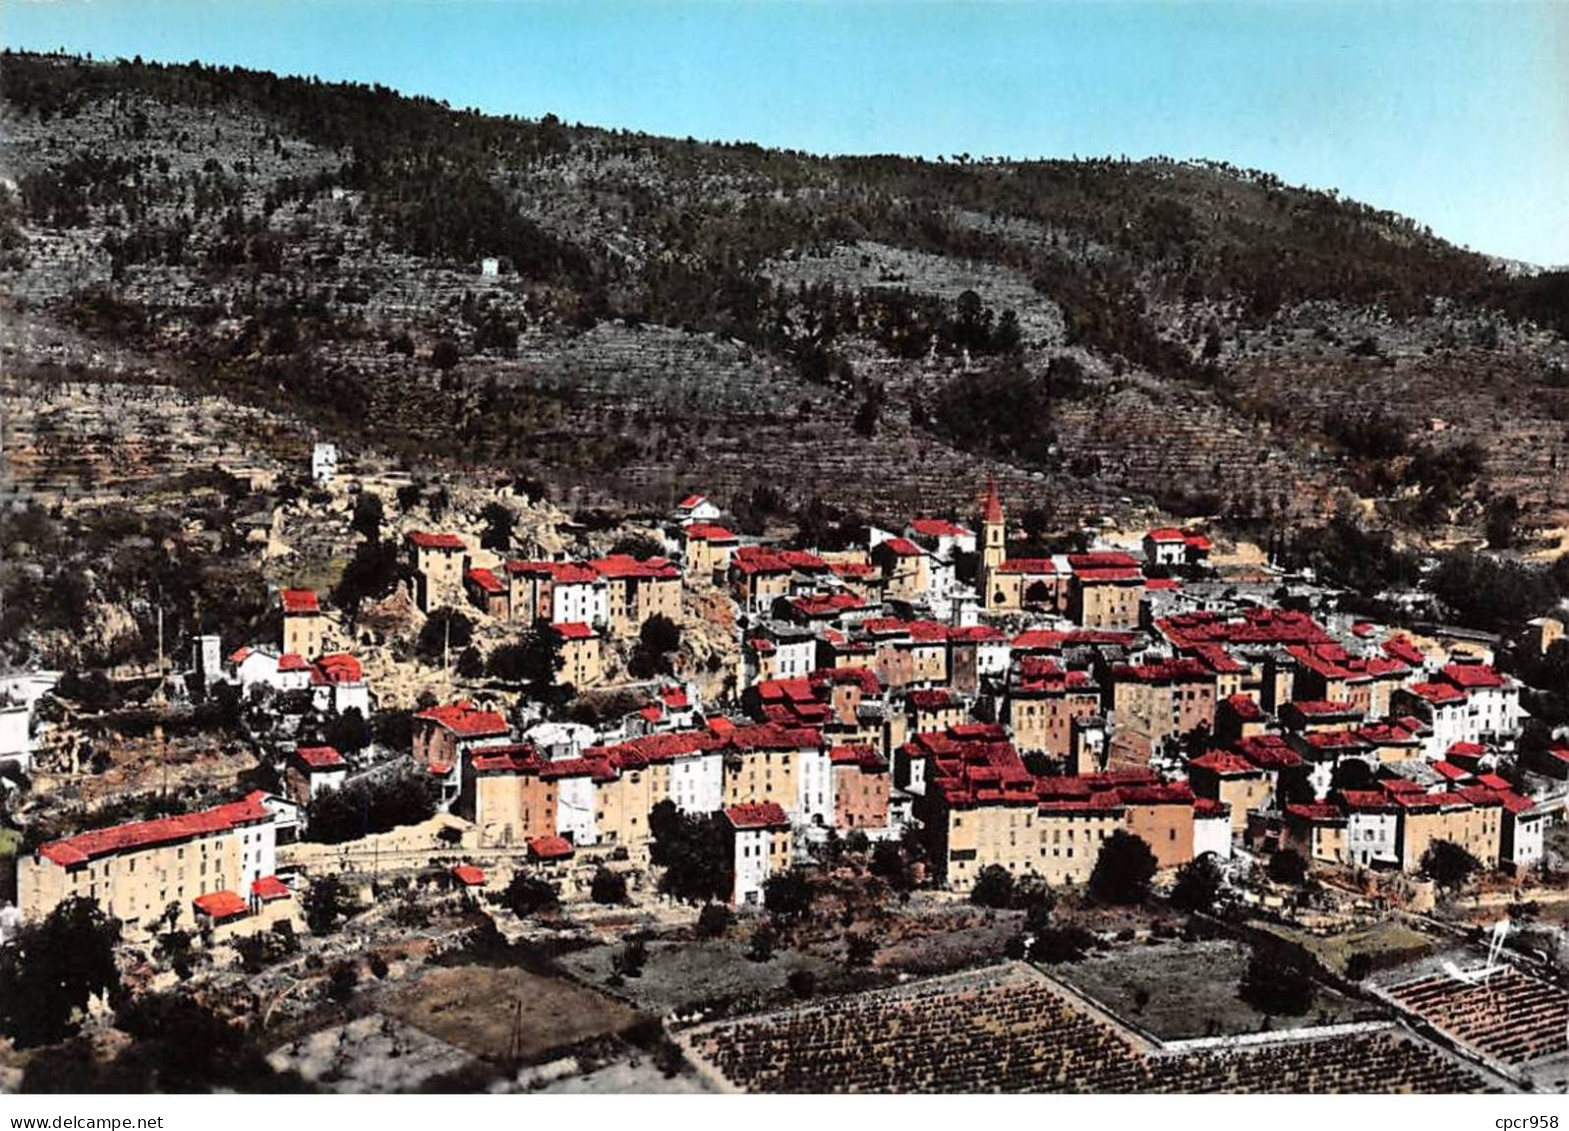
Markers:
<point>53,968</point>
<point>657,640</point>
<point>693,851</point>
<point>912,325</point>
<point>373,805</point>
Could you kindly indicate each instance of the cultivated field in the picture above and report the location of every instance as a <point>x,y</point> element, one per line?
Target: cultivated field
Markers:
<point>1013,1030</point>
<point>506,1014</point>
<point>1191,988</point>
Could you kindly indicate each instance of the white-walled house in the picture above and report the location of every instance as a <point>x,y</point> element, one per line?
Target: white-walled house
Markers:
<point>814,784</point>
<point>1212,828</point>
<point>760,846</point>
<point>576,798</point>
<point>697,783</point>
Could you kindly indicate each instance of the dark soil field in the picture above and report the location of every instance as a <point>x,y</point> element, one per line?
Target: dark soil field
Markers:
<point>715,975</point>
<point>481,1009</point>
<point>1192,988</point>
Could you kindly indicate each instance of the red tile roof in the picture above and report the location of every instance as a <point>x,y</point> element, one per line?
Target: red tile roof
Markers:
<point>1166,671</point>
<point>974,763</point>
<point>1437,693</point>
<point>865,758</point>
<point>1102,560</point>
<point>829,605</point>
<point>468,875</point>
<point>92,845</point>
<point>573,630</point>
<point>220,905</point>
<point>466,720</point>
<point>757,815</point>
<point>1323,708</point>
<point>708,532</point>
<point>550,848</point>
<point>1108,576</point>
<point>691,501</point>
<point>1513,802</point>
<point>1255,627</point>
<point>1223,762</point>
<point>618,567</point>
<point>486,579</point>
<point>1209,807</point>
<point>292,662</point>
<point>1319,812</point>
<point>320,757</point>
<point>337,668</point>
<point>1268,752</point>
<point>427,541</point>
<point>1245,707</point>
<point>1401,648</point>
<point>513,758</point>
<point>1469,676</point>
<point>562,573</point>
<point>1031,567</point>
<point>903,548</point>
<point>1368,801</point>
<point>933,699</point>
<point>1450,771</point>
<point>269,888</point>
<point>870,682</point>
<point>938,528</point>
<point>976,634</point>
<point>1166,534</point>
<point>300,601</point>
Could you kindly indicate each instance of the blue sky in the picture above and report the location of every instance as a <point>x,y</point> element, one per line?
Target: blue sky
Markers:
<point>1455,112</point>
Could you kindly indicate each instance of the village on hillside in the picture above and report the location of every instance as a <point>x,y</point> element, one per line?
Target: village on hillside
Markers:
<point>515,799</point>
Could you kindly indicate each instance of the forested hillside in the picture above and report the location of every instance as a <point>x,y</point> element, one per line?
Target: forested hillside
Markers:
<point>875,332</point>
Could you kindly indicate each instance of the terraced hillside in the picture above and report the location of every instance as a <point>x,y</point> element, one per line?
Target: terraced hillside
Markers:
<point>1109,337</point>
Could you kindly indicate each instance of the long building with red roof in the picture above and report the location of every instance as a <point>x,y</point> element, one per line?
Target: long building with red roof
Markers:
<point>135,871</point>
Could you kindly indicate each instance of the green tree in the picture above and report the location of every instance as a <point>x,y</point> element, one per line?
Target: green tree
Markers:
<point>1123,869</point>
<point>1449,865</point>
<point>1288,867</point>
<point>372,573</point>
<point>499,523</point>
<point>526,895</point>
<point>445,628</point>
<point>471,665</point>
<point>1198,884</point>
<point>714,920</point>
<point>860,949</point>
<point>993,887</point>
<point>694,852</point>
<point>639,546</point>
<point>53,968</point>
<point>608,887</point>
<point>1067,943</point>
<point>765,940</point>
<point>326,902</point>
<point>628,962</point>
<point>1277,981</point>
<point>540,662</point>
<point>789,895</point>
<point>368,516</point>
<point>367,807</point>
<point>1352,774</point>
<point>658,637</point>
